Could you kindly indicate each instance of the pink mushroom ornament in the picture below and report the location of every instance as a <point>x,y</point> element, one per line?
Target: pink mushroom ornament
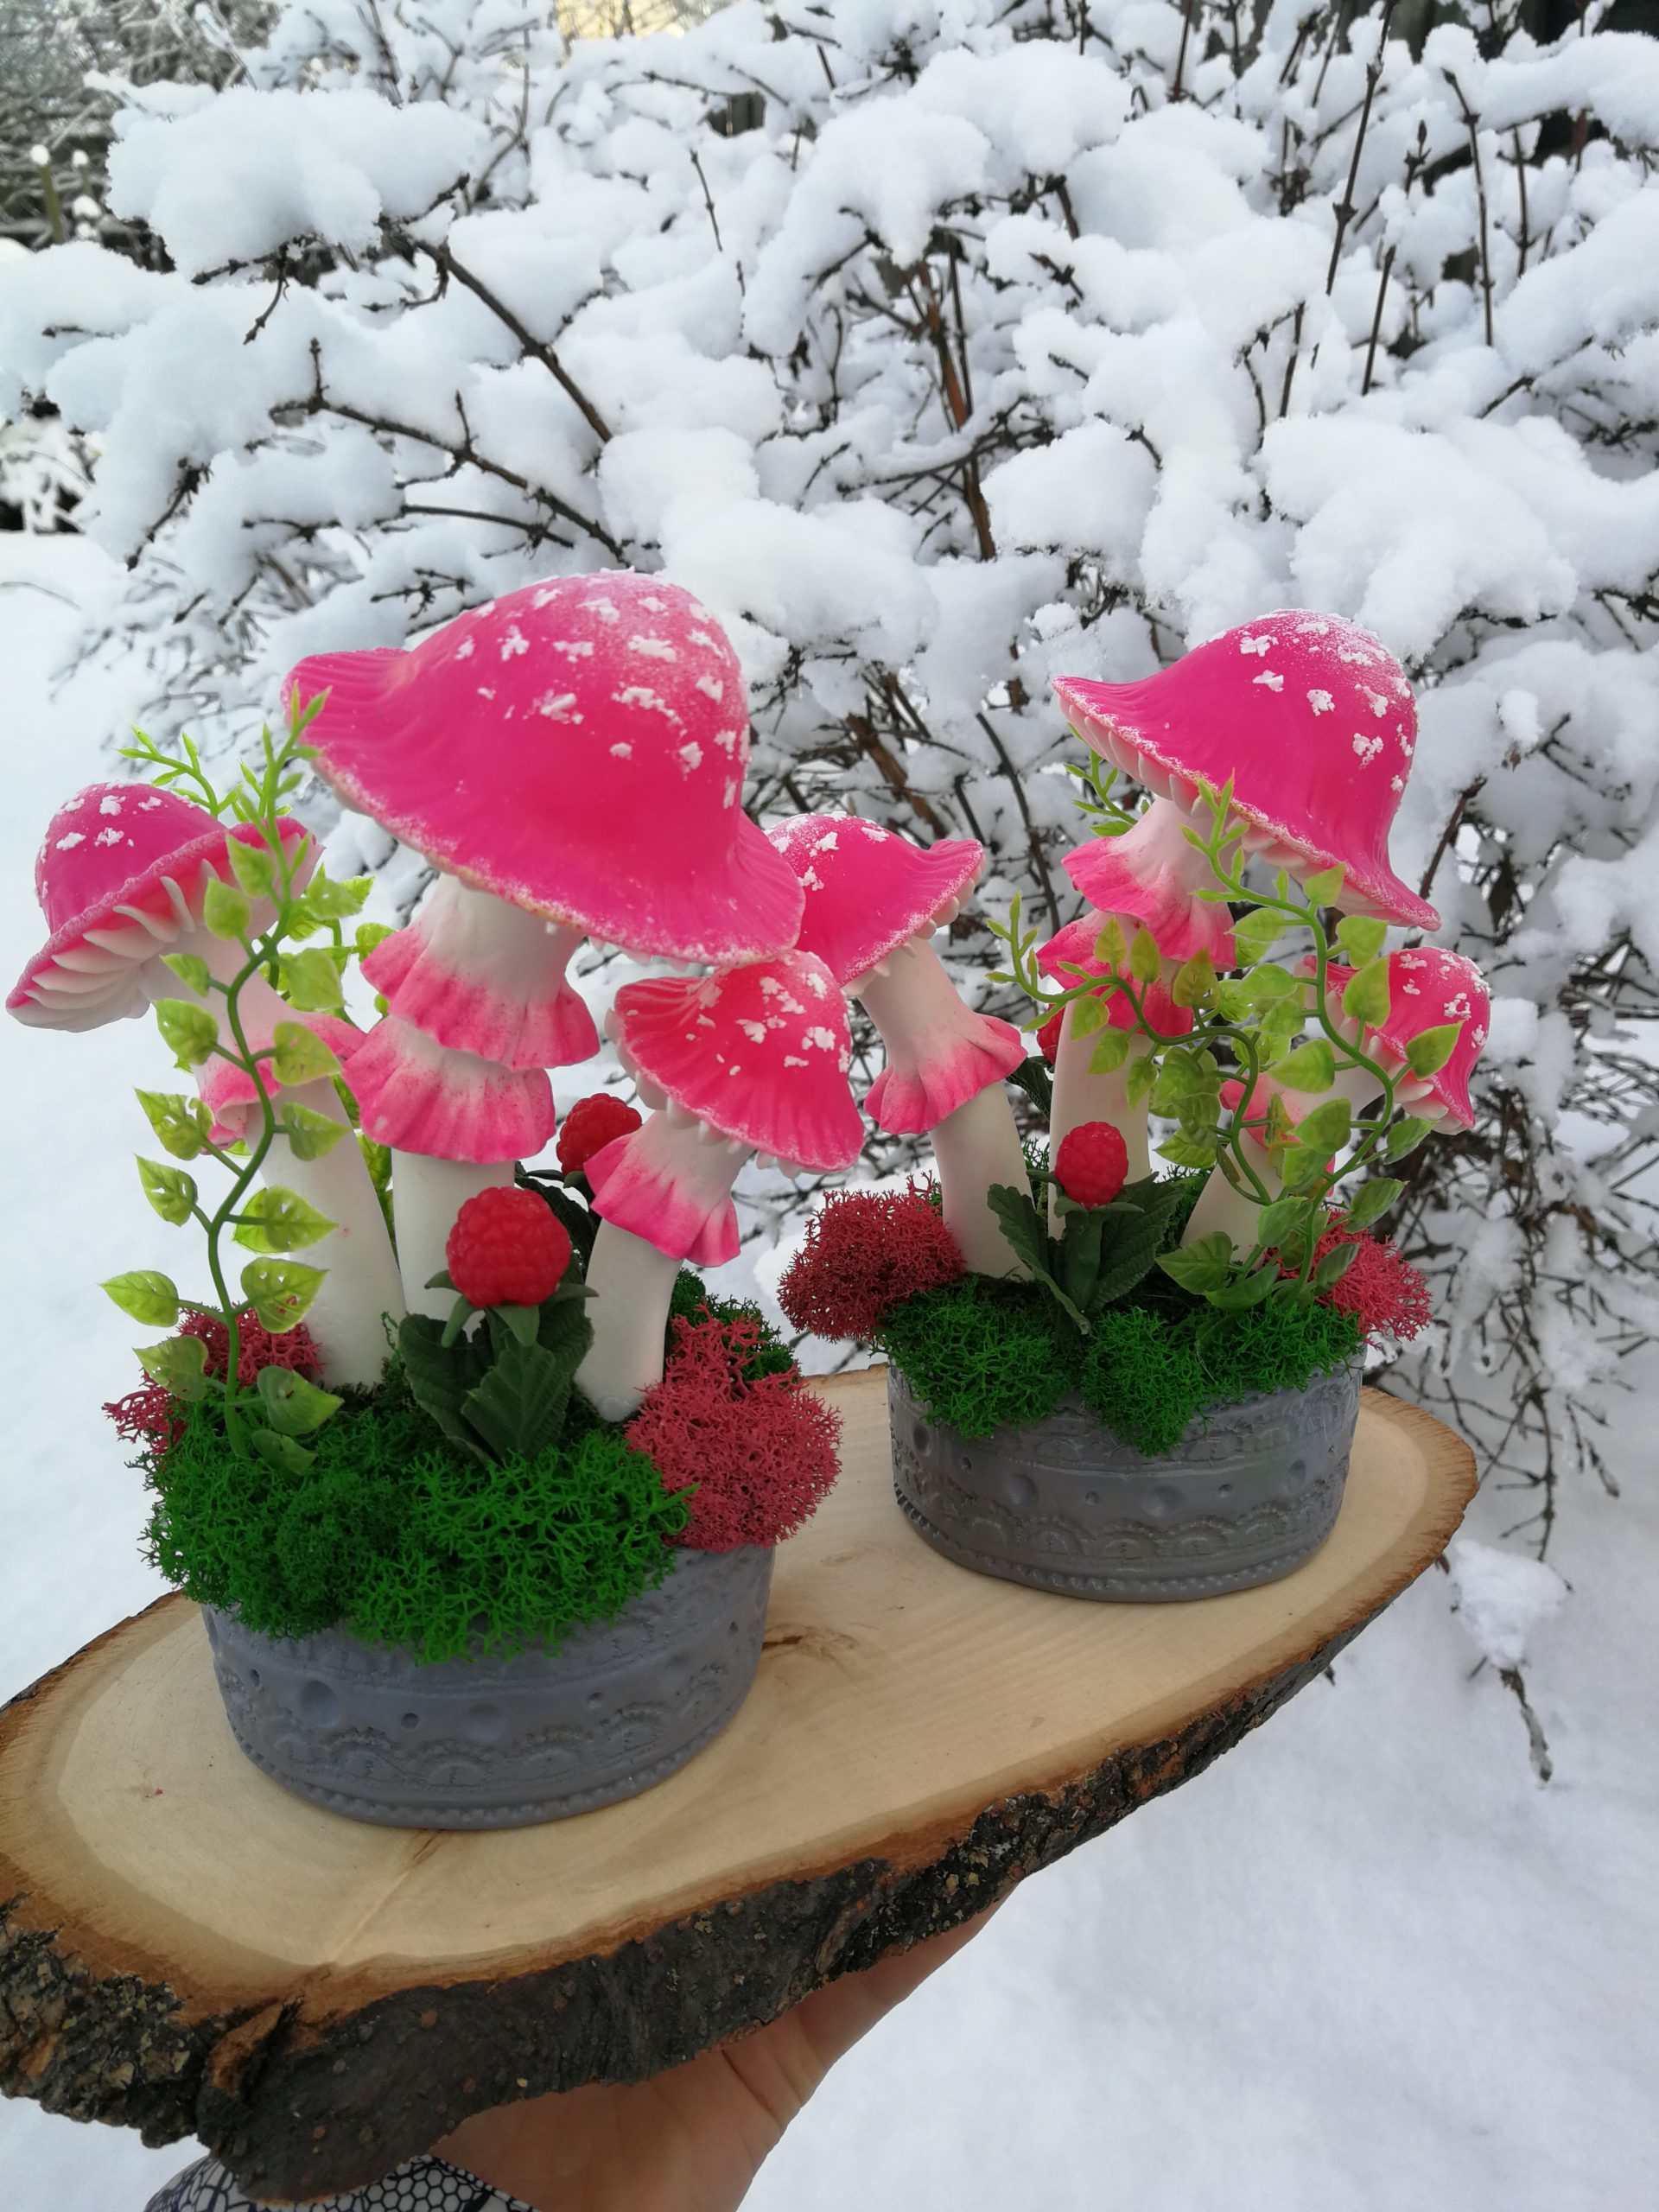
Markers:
<point>873,902</point>
<point>570,758</point>
<point>121,878</point>
<point>1428,988</point>
<point>748,1060</point>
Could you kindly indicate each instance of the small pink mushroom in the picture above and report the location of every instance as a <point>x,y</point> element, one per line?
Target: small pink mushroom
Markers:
<point>750,1059</point>
<point>571,759</point>
<point>873,901</point>
<point>121,879</point>
<point>1427,988</point>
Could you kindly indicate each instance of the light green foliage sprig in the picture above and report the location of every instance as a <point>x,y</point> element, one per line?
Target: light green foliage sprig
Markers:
<point>266,1421</point>
<point>1262,1018</point>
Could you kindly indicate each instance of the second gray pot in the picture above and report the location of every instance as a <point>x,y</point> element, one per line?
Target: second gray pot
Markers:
<point>1250,1493</point>
<point>366,1730</point>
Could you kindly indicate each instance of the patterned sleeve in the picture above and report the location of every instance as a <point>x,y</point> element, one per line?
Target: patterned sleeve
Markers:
<point>423,2185</point>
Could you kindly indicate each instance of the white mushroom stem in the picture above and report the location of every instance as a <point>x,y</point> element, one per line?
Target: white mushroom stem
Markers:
<point>426,1195</point>
<point>480,974</point>
<point>361,1283</point>
<point>935,1046</point>
<point>1221,1206</point>
<point>677,1178</point>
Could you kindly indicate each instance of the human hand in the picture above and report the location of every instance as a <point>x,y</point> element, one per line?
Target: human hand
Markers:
<point>691,2139</point>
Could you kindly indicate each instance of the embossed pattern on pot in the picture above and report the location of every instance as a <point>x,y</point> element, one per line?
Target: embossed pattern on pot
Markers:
<point>1251,1491</point>
<point>362,1729</point>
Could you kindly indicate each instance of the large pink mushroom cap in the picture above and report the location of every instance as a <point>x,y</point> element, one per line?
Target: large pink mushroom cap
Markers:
<point>1311,717</point>
<point>576,749</point>
<point>867,889</point>
<point>120,877</point>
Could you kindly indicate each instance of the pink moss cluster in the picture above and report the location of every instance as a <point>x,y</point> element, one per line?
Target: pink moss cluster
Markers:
<point>761,1449</point>
<point>1384,1292</point>
<point>865,1251</point>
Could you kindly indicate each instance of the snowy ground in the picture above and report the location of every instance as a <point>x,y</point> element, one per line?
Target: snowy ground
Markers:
<point>1366,1964</point>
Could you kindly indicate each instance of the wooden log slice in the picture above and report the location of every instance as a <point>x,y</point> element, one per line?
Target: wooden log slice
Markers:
<point>186,1949</point>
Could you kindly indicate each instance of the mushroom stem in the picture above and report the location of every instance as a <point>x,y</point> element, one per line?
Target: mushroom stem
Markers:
<point>481,975</point>
<point>665,1190</point>
<point>426,1195</point>
<point>1153,874</point>
<point>977,1148</point>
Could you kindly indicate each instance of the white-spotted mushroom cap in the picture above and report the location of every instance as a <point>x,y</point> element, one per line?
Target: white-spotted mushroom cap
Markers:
<point>576,749</point>
<point>1428,988</point>
<point>868,890</point>
<point>759,1054</point>
<point>121,877</point>
<point>1312,720</point>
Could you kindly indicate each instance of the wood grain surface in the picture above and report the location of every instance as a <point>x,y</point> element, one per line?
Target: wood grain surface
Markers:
<point>185,1949</point>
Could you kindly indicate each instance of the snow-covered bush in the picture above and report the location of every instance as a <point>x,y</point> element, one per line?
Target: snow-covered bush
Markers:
<point>945,345</point>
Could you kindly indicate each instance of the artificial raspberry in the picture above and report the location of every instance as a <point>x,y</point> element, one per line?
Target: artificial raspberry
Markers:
<point>591,1124</point>
<point>1048,1037</point>
<point>1091,1164</point>
<point>507,1248</point>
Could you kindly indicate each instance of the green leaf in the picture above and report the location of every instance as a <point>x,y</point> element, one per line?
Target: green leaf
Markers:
<point>440,1381</point>
<point>1138,1079</point>
<point>279,1220</point>
<point>1372,1200</point>
<point>1255,935</point>
<point>522,1322</point>
<point>171,1193</point>
<point>299,1057</point>
<point>521,1402</point>
<point>1322,888</point>
<point>1335,1264</point>
<point>293,1405</point>
<point>1361,937</point>
<point>326,901</point>
<point>1270,983</point>
<point>1032,1077</point>
<point>1085,1016</point>
<point>1234,999</point>
<point>1146,962</point>
<point>1312,1067</point>
<point>1405,1136</point>
<point>282,1452</point>
<point>1112,1048</point>
<point>1201,1269</point>
<point>1278,1028</point>
<point>309,1134</point>
<point>1365,996</point>
<point>226,911</point>
<point>1428,1053</point>
<point>1130,1236</point>
<point>192,972</point>
<point>178,1365</point>
<point>1080,1256</point>
<point>1326,1129</point>
<point>181,1124</point>
<point>1194,979</point>
<point>1245,1291</point>
<point>145,1295</point>
<point>189,1031</point>
<point>1301,1168</point>
<point>369,934</point>
<point>1109,944</point>
<point>254,866</point>
<point>311,981</point>
<point>1187,1150</point>
<point>280,1291</point>
<point>1279,1221</point>
<point>1023,1228</point>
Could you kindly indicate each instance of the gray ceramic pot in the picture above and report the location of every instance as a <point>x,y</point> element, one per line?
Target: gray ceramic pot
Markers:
<point>1250,1491</point>
<point>365,1730</point>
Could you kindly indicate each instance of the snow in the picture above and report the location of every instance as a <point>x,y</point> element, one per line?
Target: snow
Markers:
<point>1502,1597</point>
